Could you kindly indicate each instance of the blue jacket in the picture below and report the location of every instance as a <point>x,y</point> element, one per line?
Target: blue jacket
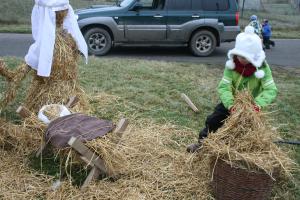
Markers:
<point>266,30</point>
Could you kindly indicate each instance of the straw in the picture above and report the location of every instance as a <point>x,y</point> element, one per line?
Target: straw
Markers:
<point>246,141</point>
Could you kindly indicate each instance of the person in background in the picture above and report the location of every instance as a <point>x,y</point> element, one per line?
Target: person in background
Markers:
<point>254,22</point>
<point>246,68</point>
<point>266,34</point>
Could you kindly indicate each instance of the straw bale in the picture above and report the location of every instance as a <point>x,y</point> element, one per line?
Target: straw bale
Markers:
<point>246,141</point>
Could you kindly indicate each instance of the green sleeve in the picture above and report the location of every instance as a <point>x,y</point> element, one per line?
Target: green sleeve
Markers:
<point>225,89</point>
<point>269,89</point>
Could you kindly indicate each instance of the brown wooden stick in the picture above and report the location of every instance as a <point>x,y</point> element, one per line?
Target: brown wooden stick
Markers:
<point>93,175</point>
<point>72,102</point>
<point>121,126</point>
<point>189,102</point>
<point>77,145</point>
<point>120,129</point>
<point>41,149</point>
<point>24,112</point>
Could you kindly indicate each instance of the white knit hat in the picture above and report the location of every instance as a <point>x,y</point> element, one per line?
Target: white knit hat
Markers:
<point>249,46</point>
<point>43,20</point>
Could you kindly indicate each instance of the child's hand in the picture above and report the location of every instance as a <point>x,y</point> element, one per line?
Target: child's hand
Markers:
<point>232,109</point>
<point>256,108</point>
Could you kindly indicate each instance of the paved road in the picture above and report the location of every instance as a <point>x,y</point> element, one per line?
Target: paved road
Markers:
<point>286,52</point>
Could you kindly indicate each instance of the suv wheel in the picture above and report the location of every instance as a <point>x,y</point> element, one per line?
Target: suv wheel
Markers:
<point>203,43</point>
<point>98,41</point>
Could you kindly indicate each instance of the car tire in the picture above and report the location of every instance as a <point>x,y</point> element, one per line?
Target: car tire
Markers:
<point>98,41</point>
<point>203,43</point>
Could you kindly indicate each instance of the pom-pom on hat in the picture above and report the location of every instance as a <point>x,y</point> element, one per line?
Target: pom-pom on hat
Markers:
<point>249,46</point>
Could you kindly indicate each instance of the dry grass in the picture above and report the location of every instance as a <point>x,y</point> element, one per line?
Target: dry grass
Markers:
<point>246,141</point>
<point>150,160</point>
<point>156,167</point>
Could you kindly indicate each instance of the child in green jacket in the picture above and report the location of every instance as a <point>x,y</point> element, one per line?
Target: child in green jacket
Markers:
<point>245,69</point>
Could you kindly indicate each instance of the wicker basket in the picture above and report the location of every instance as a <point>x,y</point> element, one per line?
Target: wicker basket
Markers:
<point>230,183</point>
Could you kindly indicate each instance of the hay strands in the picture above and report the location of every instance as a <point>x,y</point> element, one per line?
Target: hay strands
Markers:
<point>4,71</point>
<point>92,159</point>
<point>189,102</point>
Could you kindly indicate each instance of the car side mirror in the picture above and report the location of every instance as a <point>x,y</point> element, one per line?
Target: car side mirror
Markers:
<point>137,7</point>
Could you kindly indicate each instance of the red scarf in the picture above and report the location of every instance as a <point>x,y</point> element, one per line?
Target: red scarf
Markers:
<point>245,70</point>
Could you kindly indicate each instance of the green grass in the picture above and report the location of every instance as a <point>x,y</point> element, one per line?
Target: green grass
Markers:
<point>19,11</point>
<point>15,28</point>
<point>151,90</point>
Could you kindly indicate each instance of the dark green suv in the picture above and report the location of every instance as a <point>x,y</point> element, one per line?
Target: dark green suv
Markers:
<point>200,24</point>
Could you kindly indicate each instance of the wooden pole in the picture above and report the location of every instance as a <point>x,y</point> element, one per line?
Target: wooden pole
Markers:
<point>24,112</point>
<point>189,102</point>
<point>72,102</point>
<point>88,154</point>
<point>93,175</point>
<point>119,130</point>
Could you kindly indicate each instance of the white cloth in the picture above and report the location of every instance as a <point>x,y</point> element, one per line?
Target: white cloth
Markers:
<point>43,20</point>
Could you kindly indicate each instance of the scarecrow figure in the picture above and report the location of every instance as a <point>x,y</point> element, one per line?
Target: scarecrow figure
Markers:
<point>52,58</point>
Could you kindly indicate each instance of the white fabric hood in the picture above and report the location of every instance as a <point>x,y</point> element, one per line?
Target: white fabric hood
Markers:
<point>40,53</point>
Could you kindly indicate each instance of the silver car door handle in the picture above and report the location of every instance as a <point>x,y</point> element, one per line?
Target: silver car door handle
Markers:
<point>195,16</point>
<point>157,16</point>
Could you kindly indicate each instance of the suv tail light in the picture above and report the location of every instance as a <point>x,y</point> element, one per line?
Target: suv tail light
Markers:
<point>237,16</point>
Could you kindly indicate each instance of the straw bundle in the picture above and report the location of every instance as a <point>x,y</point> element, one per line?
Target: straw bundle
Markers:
<point>62,83</point>
<point>110,152</point>
<point>18,137</point>
<point>246,141</point>
<point>14,82</point>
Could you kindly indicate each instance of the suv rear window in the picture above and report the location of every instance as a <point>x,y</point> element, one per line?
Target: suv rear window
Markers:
<point>212,5</point>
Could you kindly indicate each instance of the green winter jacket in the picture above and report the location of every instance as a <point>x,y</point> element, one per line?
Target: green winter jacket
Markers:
<point>263,90</point>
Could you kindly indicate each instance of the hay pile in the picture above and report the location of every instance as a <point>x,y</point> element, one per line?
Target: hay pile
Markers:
<point>246,141</point>
<point>151,163</point>
<point>156,167</point>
